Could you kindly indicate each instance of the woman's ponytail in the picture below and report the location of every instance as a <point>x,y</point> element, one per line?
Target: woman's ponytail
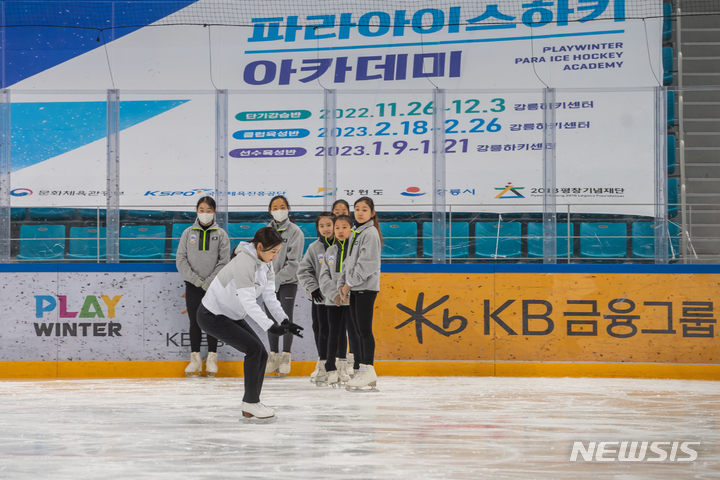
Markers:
<point>376,222</point>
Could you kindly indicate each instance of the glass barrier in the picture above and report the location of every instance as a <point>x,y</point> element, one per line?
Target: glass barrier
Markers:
<point>167,163</point>
<point>58,186</point>
<point>385,151</point>
<point>494,159</point>
<point>608,197</point>
<point>275,148</point>
<point>495,176</point>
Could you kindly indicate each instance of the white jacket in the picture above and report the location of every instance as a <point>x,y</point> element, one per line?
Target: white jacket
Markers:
<point>235,290</point>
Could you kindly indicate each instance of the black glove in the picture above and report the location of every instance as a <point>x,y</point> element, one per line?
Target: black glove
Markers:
<point>317,296</point>
<point>278,329</point>
<point>293,328</point>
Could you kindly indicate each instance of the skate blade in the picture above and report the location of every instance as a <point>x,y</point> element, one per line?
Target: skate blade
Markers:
<point>372,388</point>
<point>210,375</point>
<point>193,375</point>
<point>258,421</point>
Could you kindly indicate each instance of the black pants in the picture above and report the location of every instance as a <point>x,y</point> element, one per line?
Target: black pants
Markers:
<point>193,297</point>
<point>336,321</point>
<point>352,341</point>
<point>286,294</point>
<point>361,310</point>
<point>323,331</point>
<point>239,335</point>
<point>315,326</point>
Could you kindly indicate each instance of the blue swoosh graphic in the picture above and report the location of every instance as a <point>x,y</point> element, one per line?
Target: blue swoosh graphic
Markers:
<point>40,131</point>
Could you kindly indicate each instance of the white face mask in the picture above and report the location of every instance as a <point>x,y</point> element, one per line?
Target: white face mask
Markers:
<point>206,218</point>
<point>280,215</point>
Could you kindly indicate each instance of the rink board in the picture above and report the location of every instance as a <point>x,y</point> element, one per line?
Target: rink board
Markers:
<point>69,321</point>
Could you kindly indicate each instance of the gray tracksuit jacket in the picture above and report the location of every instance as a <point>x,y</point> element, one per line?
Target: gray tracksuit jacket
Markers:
<point>288,260</point>
<point>202,253</point>
<point>362,265</point>
<point>235,290</point>
<point>309,271</point>
<point>332,268</point>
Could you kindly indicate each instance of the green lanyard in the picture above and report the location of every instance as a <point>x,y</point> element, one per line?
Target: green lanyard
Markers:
<point>342,245</point>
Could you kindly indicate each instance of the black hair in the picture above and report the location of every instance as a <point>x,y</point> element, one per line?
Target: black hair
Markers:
<point>209,201</point>
<point>374,217</point>
<point>344,202</point>
<point>347,218</point>
<point>323,215</point>
<point>278,197</point>
<point>267,236</point>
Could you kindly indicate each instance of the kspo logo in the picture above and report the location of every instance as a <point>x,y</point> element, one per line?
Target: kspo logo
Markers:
<point>91,308</point>
<point>188,193</point>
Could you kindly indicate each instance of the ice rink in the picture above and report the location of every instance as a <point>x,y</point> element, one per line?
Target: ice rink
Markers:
<point>420,427</point>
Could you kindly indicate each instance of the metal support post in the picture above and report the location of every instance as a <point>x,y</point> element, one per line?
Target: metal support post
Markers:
<point>549,176</point>
<point>221,158</point>
<point>438,179</point>
<point>330,157</point>
<point>113,177</point>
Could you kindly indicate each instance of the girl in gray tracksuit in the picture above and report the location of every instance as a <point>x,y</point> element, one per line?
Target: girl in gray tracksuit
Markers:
<point>286,266</point>
<point>203,250</point>
<point>330,371</point>
<point>360,280</point>
<point>309,277</point>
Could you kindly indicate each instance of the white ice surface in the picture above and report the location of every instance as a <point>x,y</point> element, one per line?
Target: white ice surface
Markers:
<point>440,428</point>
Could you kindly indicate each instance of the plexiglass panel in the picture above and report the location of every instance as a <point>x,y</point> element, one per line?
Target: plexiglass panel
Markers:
<point>58,196</point>
<point>606,175</point>
<point>385,152</point>
<point>167,163</point>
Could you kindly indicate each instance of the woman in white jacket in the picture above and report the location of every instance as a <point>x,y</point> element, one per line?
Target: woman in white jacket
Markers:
<point>232,296</point>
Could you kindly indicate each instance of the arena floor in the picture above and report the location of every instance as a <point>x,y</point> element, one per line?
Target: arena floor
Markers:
<point>427,427</point>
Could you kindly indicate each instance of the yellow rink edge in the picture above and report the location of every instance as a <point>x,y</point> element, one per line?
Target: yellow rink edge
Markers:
<point>165,369</point>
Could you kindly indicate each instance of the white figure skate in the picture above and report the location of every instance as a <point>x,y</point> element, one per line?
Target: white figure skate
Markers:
<point>342,370</point>
<point>321,379</point>
<point>365,378</point>
<point>284,368</point>
<point>194,369</point>
<point>333,379</point>
<point>315,372</point>
<point>257,413</point>
<point>351,364</point>
<point>211,367</point>
<point>273,363</point>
